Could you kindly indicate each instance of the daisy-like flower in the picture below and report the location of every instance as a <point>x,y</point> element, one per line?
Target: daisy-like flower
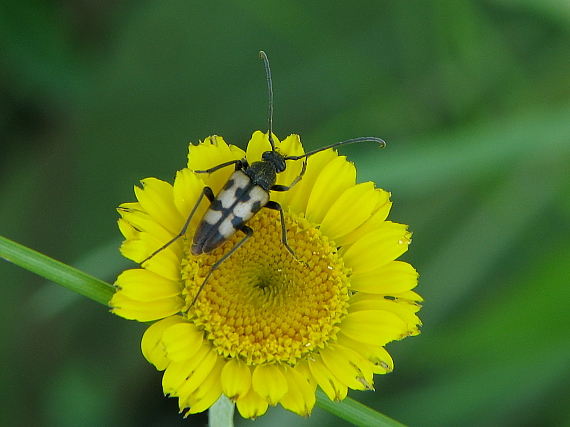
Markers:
<point>269,327</point>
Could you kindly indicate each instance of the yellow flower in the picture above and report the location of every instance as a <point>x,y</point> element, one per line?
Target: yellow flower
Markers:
<point>269,327</point>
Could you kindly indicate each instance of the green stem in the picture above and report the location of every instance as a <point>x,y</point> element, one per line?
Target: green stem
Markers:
<point>354,412</point>
<point>55,271</point>
<point>221,414</point>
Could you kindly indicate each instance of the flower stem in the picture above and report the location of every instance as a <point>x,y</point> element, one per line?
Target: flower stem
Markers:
<point>221,414</point>
<point>56,271</point>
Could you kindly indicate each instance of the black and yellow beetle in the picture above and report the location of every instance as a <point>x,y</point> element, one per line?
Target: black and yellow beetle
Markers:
<point>244,194</point>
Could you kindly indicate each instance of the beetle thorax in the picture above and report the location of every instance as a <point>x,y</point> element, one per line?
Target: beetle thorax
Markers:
<point>264,172</point>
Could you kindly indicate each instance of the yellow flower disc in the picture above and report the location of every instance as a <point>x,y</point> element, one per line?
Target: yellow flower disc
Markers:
<point>263,304</point>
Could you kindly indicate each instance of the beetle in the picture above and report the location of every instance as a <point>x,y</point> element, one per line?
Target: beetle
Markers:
<point>245,193</point>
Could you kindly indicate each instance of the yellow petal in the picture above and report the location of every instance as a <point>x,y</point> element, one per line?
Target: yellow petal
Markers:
<point>187,189</point>
<point>337,176</point>
<point>135,249</point>
<point>207,393</point>
<point>269,382</point>
<point>331,385</point>
<point>141,220</point>
<point>376,220</point>
<point>143,232</point>
<point>257,145</point>
<point>378,248</point>
<point>165,263</point>
<point>143,285</point>
<point>348,366</point>
<point>236,379</point>
<point>130,206</point>
<point>151,237</point>
<point>198,375</point>
<point>299,195</point>
<point>362,301</point>
<point>373,327</point>
<point>151,343</point>
<point>182,341</point>
<point>251,405</point>
<point>303,368</point>
<point>410,299</point>
<point>177,372</point>
<point>300,397</point>
<point>290,146</point>
<point>377,355</point>
<point>126,229</point>
<point>392,278</point>
<point>350,209</point>
<point>145,311</point>
<point>157,199</point>
<point>213,152</point>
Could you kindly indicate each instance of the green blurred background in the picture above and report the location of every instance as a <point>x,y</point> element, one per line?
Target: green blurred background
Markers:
<point>473,98</point>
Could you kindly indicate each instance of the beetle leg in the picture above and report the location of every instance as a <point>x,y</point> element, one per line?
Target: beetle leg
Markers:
<point>248,233</point>
<point>295,181</point>
<point>206,191</point>
<point>240,164</point>
<point>276,206</point>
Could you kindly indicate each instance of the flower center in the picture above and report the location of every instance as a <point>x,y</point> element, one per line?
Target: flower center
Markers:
<point>262,304</point>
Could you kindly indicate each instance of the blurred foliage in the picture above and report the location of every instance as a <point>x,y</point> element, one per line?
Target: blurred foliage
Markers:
<point>473,98</point>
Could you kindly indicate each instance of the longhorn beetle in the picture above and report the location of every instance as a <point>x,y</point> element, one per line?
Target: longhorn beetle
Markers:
<point>243,195</point>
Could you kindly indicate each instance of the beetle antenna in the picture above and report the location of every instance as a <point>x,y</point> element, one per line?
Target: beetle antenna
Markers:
<point>381,143</point>
<point>263,56</point>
